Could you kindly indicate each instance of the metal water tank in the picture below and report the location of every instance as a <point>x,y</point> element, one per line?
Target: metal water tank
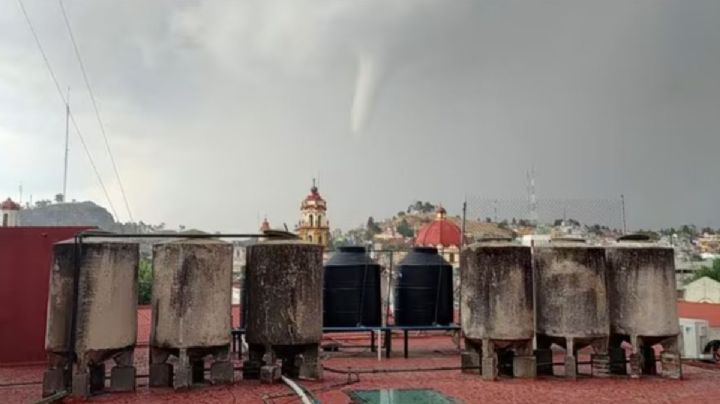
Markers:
<point>571,303</point>
<point>423,289</point>
<point>496,306</point>
<point>643,300</point>
<point>496,292</point>
<point>105,315</point>
<point>284,281</point>
<point>191,303</point>
<point>572,298</point>
<point>352,289</point>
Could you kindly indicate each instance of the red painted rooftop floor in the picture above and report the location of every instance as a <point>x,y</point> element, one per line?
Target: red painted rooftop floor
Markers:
<point>701,385</point>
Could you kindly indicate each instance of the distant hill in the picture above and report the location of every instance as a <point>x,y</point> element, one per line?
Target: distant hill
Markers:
<point>68,214</point>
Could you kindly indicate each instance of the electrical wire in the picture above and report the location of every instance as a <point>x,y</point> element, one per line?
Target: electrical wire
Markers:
<point>64,100</point>
<point>95,108</point>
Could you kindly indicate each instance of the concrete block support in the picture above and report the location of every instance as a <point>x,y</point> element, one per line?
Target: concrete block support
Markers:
<point>161,375</point>
<point>53,381</point>
<point>617,361</point>
<point>308,363</point>
<point>489,368</point>
<point>470,359</point>
<point>270,374</point>
<point>222,372</point>
<point>600,365</point>
<point>543,360</point>
<point>122,378</point>
<point>524,367</point>
<point>571,367</point>
<point>671,365</point>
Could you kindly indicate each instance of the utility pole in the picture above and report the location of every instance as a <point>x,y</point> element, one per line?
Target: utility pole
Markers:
<point>624,218</point>
<point>67,144</point>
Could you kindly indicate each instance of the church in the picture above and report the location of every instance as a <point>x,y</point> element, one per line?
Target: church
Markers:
<point>314,226</point>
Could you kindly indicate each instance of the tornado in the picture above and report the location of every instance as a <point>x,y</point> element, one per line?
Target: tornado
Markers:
<point>367,81</point>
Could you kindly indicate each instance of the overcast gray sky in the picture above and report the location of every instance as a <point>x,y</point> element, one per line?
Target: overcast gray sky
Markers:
<point>221,111</point>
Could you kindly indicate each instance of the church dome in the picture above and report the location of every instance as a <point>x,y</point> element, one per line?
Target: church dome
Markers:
<point>9,204</point>
<point>440,232</point>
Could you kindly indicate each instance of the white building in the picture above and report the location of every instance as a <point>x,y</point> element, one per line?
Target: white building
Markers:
<point>10,213</point>
<point>703,290</point>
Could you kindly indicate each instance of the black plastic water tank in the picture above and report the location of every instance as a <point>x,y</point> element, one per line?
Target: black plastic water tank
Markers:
<point>423,289</point>
<point>352,289</point>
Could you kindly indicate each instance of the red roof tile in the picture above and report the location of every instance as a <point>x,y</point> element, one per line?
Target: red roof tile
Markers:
<point>703,311</point>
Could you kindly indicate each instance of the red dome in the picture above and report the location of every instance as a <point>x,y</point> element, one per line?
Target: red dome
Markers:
<point>9,205</point>
<point>441,232</point>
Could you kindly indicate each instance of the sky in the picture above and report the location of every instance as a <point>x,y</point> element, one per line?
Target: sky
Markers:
<point>220,113</point>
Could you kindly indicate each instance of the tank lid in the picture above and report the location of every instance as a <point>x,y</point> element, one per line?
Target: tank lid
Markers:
<point>494,239</point>
<point>636,237</point>
<point>568,239</point>
<point>423,256</point>
<point>350,256</point>
<point>280,235</point>
<point>358,249</point>
<point>425,250</point>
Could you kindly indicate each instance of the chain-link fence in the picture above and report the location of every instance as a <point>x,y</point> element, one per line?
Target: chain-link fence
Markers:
<point>585,213</point>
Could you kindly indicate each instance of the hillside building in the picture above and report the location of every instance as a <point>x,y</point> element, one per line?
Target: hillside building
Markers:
<point>10,213</point>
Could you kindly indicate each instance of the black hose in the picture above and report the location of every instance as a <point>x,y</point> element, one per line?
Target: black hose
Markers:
<point>397,370</point>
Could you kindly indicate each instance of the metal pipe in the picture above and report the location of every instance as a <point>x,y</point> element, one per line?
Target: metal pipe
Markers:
<point>95,234</point>
<point>294,387</point>
<point>397,370</point>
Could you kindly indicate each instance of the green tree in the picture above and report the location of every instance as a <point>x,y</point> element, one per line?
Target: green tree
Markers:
<point>404,229</point>
<point>145,281</point>
<point>712,272</point>
<point>372,228</point>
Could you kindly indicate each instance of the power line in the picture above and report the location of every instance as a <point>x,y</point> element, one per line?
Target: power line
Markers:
<point>95,108</point>
<point>64,100</point>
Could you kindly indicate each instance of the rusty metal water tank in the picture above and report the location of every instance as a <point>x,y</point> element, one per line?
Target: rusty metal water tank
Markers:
<point>496,294</point>
<point>352,289</point>
<point>106,313</point>
<point>423,289</point>
<point>571,294</point>
<point>284,284</point>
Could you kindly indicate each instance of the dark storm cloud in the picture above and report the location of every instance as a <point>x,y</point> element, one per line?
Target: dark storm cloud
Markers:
<point>220,111</point>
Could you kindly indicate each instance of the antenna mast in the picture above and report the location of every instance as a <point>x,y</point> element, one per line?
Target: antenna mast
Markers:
<point>67,144</point>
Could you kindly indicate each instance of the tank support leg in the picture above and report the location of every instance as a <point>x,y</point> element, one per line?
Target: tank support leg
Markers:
<point>221,371</point>
<point>570,360</point>
<point>489,360</point>
<point>270,372</point>
<point>524,363</point>
<point>122,375</point>
<point>670,358</point>
<point>310,366</point>
<point>161,372</point>
<point>183,371</point>
<point>88,379</point>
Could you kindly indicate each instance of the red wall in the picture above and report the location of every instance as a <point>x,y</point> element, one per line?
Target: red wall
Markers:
<point>25,261</point>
